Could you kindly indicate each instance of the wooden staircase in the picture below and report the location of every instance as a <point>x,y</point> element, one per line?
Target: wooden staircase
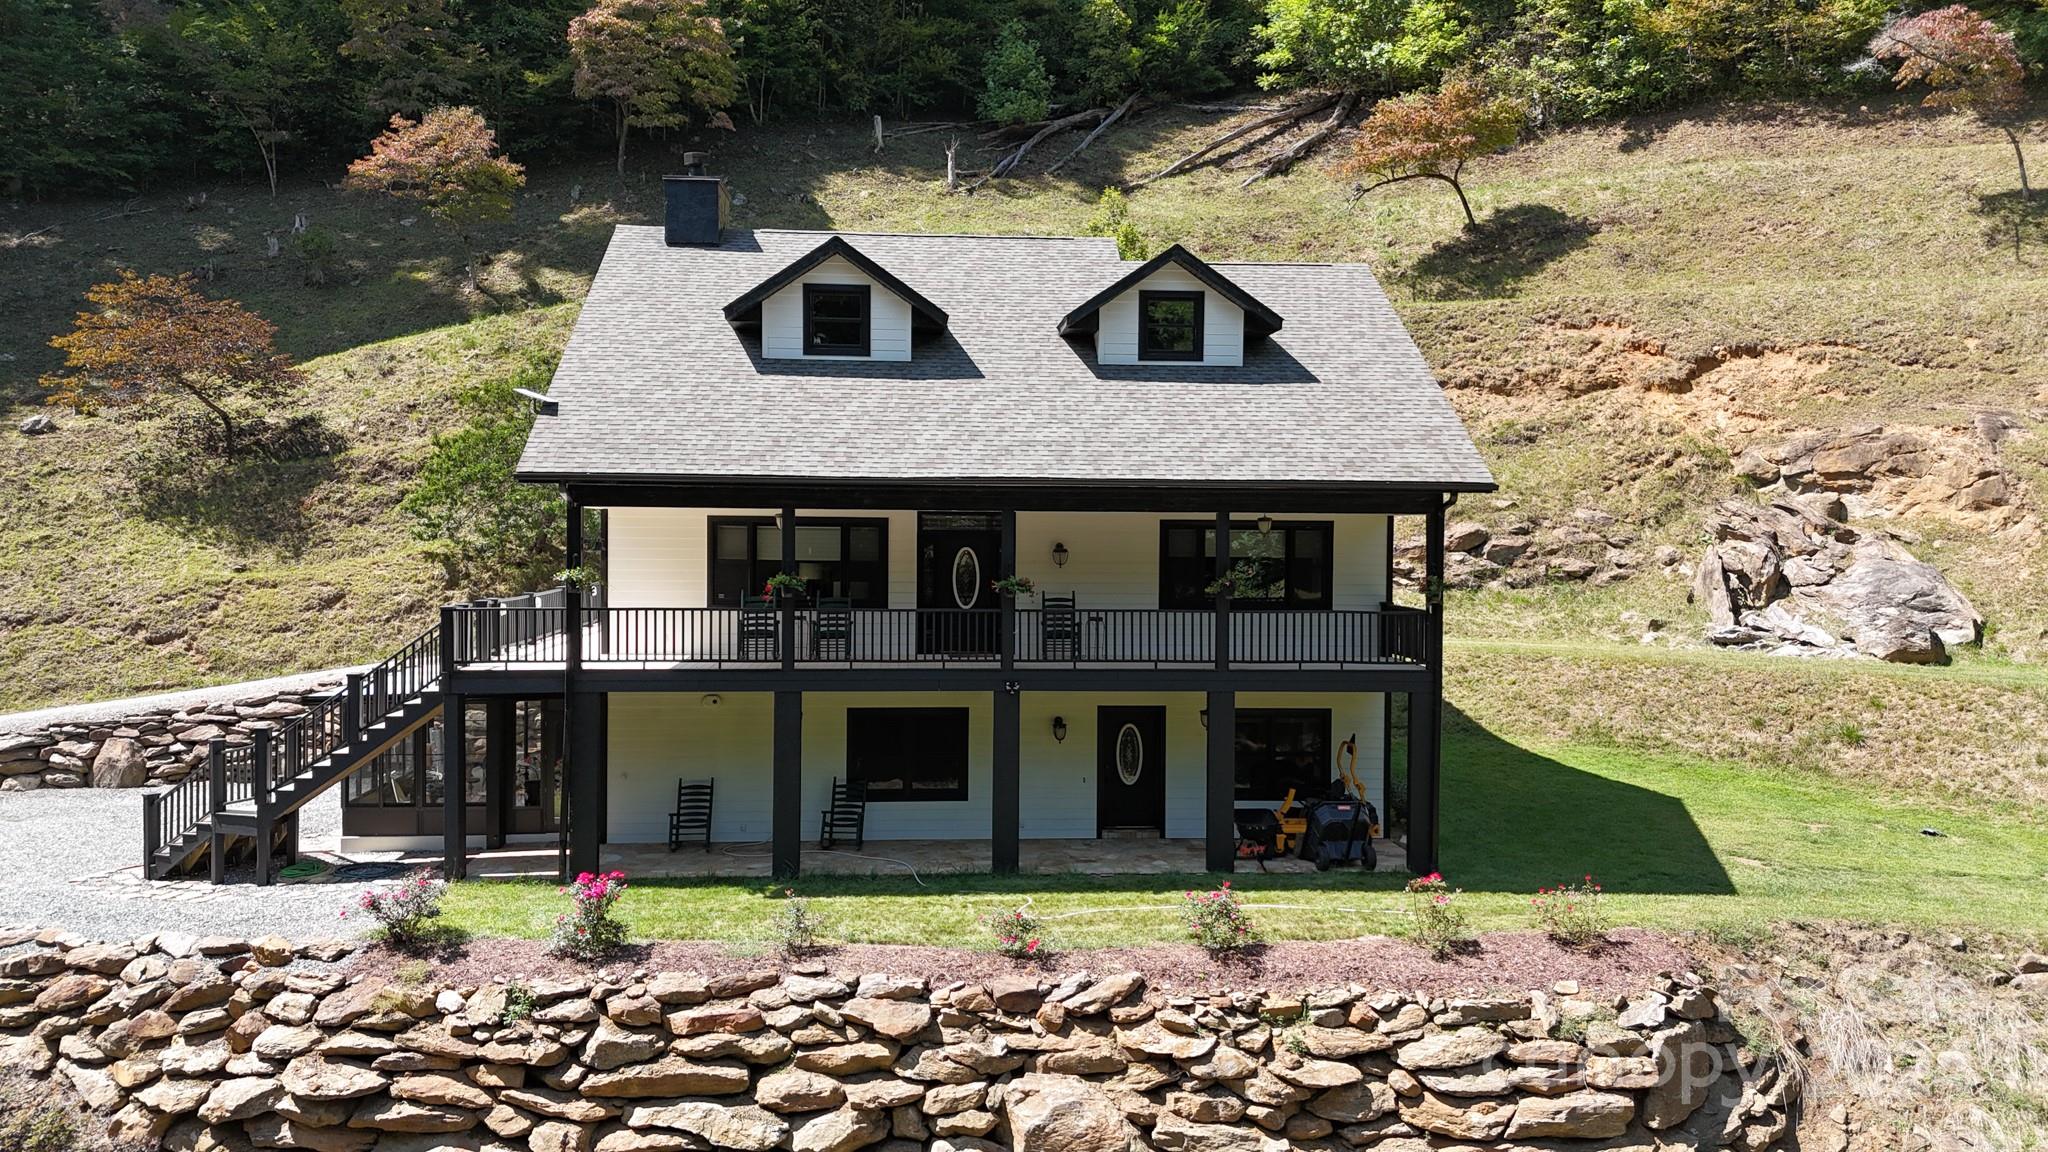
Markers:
<point>249,795</point>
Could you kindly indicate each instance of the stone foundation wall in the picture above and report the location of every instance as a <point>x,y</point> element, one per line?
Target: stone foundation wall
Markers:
<point>147,747</point>
<point>226,1045</point>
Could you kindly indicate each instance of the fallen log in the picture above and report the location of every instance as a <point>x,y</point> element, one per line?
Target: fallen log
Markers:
<point>1003,166</point>
<point>1112,118</point>
<point>1287,157</point>
<point>1284,116</point>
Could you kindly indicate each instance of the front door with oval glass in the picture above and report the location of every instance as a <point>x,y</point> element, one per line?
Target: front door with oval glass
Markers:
<point>958,556</point>
<point>1130,771</point>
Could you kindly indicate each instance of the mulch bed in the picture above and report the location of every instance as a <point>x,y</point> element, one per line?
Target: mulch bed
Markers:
<point>1507,961</point>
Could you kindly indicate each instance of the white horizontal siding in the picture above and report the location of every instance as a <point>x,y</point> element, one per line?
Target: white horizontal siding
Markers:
<point>657,738</point>
<point>782,316</point>
<point>659,557</point>
<point>1116,335</point>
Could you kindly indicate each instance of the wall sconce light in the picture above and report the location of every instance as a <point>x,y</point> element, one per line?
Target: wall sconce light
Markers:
<point>1265,525</point>
<point>1059,555</point>
<point>1205,717</point>
<point>1059,729</point>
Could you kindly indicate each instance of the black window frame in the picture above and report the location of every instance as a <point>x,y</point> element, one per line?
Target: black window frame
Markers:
<point>1172,594</point>
<point>867,319</point>
<point>1316,786</point>
<point>760,567</point>
<point>1146,350</point>
<point>925,724</point>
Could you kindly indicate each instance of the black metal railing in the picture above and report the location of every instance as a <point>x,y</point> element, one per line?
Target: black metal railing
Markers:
<point>511,635</point>
<point>238,773</point>
<point>405,674</point>
<point>169,814</point>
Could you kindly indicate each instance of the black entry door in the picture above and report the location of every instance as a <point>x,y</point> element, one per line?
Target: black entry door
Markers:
<point>958,555</point>
<point>1130,769</point>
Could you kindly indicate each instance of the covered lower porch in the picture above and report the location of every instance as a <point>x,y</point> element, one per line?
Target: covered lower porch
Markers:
<point>908,858</point>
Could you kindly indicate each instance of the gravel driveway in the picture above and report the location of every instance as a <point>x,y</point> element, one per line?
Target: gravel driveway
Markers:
<point>71,858</point>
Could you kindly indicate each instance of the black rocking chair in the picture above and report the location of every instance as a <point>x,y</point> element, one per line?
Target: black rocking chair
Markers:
<point>832,629</point>
<point>847,817</point>
<point>692,818</point>
<point>760,625</point>
<point>1059,630</point>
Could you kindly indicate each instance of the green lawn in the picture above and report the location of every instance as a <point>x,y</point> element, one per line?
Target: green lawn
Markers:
<point>1681,844</point>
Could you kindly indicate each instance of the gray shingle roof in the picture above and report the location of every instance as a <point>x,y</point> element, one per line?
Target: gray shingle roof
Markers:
<point>656,385</point>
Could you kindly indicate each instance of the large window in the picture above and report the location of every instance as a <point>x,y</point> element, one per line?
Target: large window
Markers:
<point>1169,325</point>
<point>1279,749</point>
<point>1287,566</point>
<point>908,753</point>
<point>848,558</point>
<point>835,319</point>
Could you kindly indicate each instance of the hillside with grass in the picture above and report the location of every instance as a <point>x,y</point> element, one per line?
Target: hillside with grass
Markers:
<point>1642,303</point>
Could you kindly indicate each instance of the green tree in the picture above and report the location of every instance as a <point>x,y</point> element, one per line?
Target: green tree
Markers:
<point>1015,88</point>
<point>76,115</point>
<point>1361,45</point>
<point>652,61</point>
<point>412,54</point>
<point>260,64</point>
<point>491,532</point>
<point>777,51</point>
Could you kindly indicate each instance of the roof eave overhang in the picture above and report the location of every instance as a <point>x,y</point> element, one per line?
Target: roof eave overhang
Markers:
<point>926,318</point>
<point>1259,320</point>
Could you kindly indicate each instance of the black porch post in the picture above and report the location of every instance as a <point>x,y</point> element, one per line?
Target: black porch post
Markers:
<point>1222,639</point>
<point>500,713</point>
<point>1425,713</point>
<point>454,781</point>
<point>788,601</point>
<point>1005,802</point>
<point>585,720</point>
<point>1220,794</point>
<point>787,804</point>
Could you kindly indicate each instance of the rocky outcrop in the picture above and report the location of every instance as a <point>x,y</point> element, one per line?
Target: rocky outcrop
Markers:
<point>1951,474</point>
<point>1587,546</point>
<point>157,746</point>
<point>221,1044</point>
<point>1790,576</point>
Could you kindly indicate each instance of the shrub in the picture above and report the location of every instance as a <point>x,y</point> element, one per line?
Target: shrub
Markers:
<point>404,911</point>
<point>588,931</point>
<point>1015,88</point>
<point>1439,922</point>
<point>1216,920</point>
<point>1112,218</point>
<point>519,1003</point>
<point>44,1129</point>
<point>1018,933</point>
<point>1571,913</point>
<point>796,925</point>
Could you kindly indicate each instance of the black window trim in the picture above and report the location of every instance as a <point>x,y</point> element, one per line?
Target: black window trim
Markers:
<point>1145,297</point>
<point>1324,716</point>
<point>867,319</point>
<point>1328,528</point>
<point>713,523</point>
<point>951,795</point>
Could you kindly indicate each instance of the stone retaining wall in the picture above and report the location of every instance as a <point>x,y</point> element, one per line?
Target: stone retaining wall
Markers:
<point>216,1045</point>
<point>160,746</point>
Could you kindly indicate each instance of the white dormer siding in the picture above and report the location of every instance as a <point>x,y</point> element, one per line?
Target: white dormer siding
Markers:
<point>782,316</point>
<point>1116,336</point>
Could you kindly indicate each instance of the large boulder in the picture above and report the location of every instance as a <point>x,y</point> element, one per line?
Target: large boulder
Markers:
<point>120,764</point>
<point>1789,575</point>
<point>1063,1114</point>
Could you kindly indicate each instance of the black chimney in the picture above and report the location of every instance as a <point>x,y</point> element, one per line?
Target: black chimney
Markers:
<point>696,204</point>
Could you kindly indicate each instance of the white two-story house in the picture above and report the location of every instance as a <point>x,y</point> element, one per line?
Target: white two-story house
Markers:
<point>828,466</point>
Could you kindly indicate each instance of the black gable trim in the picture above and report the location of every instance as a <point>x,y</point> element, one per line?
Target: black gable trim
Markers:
<point>1259,320</point>
<point>925,316</point>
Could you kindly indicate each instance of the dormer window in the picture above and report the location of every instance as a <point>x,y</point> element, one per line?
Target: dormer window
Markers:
<point>1169,325</point>
<point>836,319</point>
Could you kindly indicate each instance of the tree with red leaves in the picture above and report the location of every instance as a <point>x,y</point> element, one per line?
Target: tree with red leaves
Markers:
<point>653,60</point>
<point>160,338</point>
<point>1430,136</point>
<point>1966,62</point>
<point>449,163</point>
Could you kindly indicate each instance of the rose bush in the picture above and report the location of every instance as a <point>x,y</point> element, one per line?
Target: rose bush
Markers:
<point>589,931</point>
